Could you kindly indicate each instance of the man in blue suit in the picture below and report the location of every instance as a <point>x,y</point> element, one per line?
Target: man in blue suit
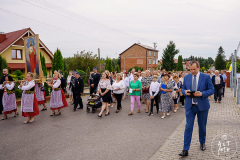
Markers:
<point>199,104</point>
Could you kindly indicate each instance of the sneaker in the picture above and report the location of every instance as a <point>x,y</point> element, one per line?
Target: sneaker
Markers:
<point>175,111</point>
<point>162,117</point>
<point>168,114</point>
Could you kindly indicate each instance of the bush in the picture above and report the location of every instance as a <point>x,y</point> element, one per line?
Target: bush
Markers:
<point>18,91</point>
<point>17,75</point>
<point>136,68</point>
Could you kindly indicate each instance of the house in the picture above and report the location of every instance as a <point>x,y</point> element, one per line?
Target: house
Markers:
<point>12,48</point>
<point>139,55</point>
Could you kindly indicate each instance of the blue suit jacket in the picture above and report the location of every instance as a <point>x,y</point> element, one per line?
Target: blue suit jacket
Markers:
<point>204,85</point>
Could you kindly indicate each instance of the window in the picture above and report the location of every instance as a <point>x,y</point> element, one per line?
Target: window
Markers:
<point>149,53</point>
<point>16,54</point>
<point>149,61</point>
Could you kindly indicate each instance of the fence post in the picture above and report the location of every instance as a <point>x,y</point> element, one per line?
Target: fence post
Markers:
<point>238,90</point>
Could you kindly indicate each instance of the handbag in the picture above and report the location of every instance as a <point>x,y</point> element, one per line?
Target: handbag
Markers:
<point>146,91</point>
<point>174,95</point>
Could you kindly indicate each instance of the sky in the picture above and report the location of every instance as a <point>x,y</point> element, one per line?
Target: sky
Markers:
<point>197,27</point>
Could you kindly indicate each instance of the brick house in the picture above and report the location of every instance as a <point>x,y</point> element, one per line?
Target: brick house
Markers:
<point>12,48</point>
<point>139,55</point>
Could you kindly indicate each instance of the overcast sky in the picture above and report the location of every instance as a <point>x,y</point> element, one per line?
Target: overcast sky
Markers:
<point>198,27</point>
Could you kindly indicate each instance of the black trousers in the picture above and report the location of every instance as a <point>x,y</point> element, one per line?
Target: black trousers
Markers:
<point>92,89</point>
<point>119,100</point>
<point>217,92</point>
<point>182,99</point>
<point>156,98</point>
<point>77,100</point>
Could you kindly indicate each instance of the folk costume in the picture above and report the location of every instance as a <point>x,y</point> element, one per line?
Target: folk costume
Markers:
<point>29,104</point>
<point>58,99</point>
<point>9,99</point>
<point>41,97</point>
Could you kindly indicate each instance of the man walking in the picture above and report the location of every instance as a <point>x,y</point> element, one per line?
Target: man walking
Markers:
<point>78,91</point>
<point>223,74</point>
<point>196,87</point>
<point>94,81</point>
<point>217,81</point>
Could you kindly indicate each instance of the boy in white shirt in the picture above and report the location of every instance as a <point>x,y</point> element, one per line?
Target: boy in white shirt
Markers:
<point>154,90</point>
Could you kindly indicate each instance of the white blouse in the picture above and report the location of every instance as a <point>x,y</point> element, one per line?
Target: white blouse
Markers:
<point>69,79</point>
<point>105,84</point>
<point>154,87</point>
<point>56,83</point>
<point>120,85</point>
<point>29,85</point>
<point>126,81</point>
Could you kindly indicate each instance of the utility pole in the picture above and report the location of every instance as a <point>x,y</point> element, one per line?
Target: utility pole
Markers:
<point>155,46</point>
<point>99,58</point>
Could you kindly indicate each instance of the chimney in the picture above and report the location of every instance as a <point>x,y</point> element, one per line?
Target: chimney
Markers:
<point>2,37</point>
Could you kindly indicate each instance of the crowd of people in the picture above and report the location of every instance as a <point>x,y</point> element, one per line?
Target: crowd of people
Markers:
<point>157,88</point>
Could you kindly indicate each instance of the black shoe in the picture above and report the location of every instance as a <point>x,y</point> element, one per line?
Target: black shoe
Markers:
<point>107,114</point>
<point>184,153</point>
<point>58,114</point>
<point>74,109</point>
<point>44,109</point>
<point>150,114</point>
<point>99,115</point>
<point>52,115</point>
<point>80,108</point>
<point>202,146</point>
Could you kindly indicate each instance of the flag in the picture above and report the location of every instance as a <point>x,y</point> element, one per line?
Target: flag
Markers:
<point>230,68</point>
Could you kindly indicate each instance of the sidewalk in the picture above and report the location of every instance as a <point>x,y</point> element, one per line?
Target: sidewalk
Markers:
<point>223,119</point>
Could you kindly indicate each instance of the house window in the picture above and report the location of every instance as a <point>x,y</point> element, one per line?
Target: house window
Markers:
<point>16,54</point>
<point>149,61</point>
<point>149,53</point>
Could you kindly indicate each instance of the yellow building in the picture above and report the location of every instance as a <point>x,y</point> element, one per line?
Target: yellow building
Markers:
<point>12,48</point>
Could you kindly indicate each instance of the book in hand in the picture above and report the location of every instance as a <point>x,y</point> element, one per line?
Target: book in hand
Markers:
<point>164,86</point>
<point>192,94</point>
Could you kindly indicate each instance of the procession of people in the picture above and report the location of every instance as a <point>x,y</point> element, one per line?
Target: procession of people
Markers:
<point>158,88</point>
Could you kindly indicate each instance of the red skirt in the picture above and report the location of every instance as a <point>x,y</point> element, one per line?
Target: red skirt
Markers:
<point>9,112</point>
<point>63,100</point>
<point>35,109</point>
<point>43,101</point>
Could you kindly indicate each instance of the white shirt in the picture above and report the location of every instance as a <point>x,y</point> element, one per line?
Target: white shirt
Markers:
<point>56,83</point>
<point>29,85</point>
<point>126,81</point>
<point>154,87</point>
<point>131,78</point>
<point>197,79</point>
<point>140,78</point>
<point>8,86</point>
<point>120,85</point>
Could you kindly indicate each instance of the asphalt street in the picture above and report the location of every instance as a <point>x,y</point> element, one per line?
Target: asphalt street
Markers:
<point>82,135</point>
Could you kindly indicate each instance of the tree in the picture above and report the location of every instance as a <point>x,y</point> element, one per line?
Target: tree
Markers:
<point>57,62</point>
<point>220,63</point>
<point>136,68</point>
<point>168,56</point>
<point>3,65</point>
<point>117,68</point>
<point>179,64</point>
<point>43,63</point>
<point>108,65</point>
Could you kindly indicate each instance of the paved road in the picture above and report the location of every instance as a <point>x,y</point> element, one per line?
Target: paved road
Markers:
<point>82,135</point>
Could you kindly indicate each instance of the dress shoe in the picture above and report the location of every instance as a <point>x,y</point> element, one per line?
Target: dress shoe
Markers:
<point>184,153</point>
<point>99,115</point>
<point>74,109</point>
<point>80,108</point>
<point>202,146</point>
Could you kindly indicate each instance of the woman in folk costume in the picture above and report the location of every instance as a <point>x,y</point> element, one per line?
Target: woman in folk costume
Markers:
<point>29,104</point>
<point>41,98</point>
<point>9,98</point>
<point>58,99</point>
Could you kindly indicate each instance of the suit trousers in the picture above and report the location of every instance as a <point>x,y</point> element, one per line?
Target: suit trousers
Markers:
<point>202,122</point>
<point>156,98</point>
<point>119,100</point>
<point>78,100</point>
<point>217,92</point>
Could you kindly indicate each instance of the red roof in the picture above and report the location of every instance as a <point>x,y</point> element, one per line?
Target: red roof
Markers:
<point>16,66</point>
<point>11,37</point>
